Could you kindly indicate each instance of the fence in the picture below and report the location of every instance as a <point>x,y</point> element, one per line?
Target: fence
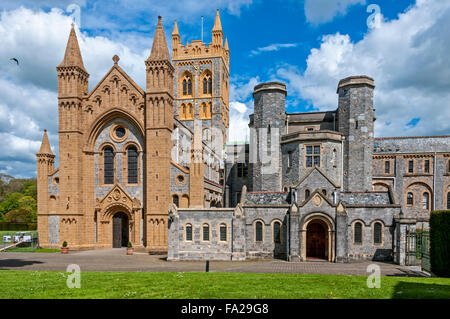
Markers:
<point>19,241</point>
<point>418,249</point>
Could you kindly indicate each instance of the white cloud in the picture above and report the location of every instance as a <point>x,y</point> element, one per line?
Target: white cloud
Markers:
<point>28,91</point>
<point>241,106</point>
<point>321,11</point>
<point>273,47</point>
<point>407,57</point>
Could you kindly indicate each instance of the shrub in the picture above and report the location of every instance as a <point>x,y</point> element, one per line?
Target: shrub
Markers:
<point>64,244</point>
<point>440,243</point>
<point>129,245</point>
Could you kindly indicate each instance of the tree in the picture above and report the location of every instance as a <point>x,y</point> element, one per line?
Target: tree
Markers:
<point>18,216</point>
<point>11,202</point>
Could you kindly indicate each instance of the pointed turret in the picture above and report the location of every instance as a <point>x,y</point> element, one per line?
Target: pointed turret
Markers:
<point>175,29</point>
<point>217,35</point>
<point>226,44</point>
<point>159,122</point>
<point>160,51</point>
<point>217,24</point>
<point>45,146</point>
<point>72,68</point>
<point>175,40</point>
<point>72,57</point>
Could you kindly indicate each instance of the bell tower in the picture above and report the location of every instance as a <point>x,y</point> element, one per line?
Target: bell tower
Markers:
<point>72,86</point>
<point>158,132</point>
<point>201,84</point>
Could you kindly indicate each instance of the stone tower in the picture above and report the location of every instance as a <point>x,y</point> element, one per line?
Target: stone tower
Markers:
<point>72,87</point>
<point>45,165</point>
<point>356,123</point>
<point>158,131</point>
<point>267,124</point>
<point>201,84</point>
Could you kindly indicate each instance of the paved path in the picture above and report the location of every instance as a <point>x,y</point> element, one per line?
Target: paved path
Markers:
<point>117,260</point>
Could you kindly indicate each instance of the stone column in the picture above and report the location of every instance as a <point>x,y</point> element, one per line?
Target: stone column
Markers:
<point>341,235</point>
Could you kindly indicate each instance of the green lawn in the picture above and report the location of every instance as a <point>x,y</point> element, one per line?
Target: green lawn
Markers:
<point>52,284</point>
<point>29,250</point>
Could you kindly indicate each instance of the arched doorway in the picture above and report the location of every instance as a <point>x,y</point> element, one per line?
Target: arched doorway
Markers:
<point>317,240</point>
<point>120,230</point>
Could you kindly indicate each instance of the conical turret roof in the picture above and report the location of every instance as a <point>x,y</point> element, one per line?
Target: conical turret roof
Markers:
<point>175,29</point>
<point>72,57</point>
<point>45,146</point>
<point>160,51</point>
<point>217,23</point>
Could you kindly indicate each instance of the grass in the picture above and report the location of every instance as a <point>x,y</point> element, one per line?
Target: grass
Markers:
<point>125,285</point>
<point>29,250</point>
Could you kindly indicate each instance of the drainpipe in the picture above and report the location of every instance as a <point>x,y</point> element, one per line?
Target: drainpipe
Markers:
<point>434,182</point>
<point>342,163</point>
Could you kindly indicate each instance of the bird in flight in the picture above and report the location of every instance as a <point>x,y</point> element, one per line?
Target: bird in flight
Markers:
<point>15,60</point>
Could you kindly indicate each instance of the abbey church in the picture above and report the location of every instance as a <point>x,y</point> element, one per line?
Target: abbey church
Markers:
<point>153,167</point>
<point>126,153</point>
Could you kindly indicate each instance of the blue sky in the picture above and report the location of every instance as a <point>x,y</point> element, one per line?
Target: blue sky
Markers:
<point>309,45</point>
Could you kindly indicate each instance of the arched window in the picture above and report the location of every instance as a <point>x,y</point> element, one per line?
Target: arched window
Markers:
<point>324,192</point>
<point>205,86</point>
<point>357,235</point>
<point>223,232</point>
<point>176,200</point>
<point>190,114</point>
<point>307,193</point>
<point>188,232</point>
<point>258,231</point>
<point>210,108</point>
<point>410,199</point>
<point>377,233</point>
<point>132,165</point>
<point>205,232</point>
<point>277,232</point>
<point>426,201</point>
<point>209,85</point>
<point>189,87</point>
<point>184,87</point>
<point>108,158</point>
<point>448,200</point>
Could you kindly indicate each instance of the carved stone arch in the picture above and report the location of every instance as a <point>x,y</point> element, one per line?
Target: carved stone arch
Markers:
<point>327,221</point>
<point>105,118</point>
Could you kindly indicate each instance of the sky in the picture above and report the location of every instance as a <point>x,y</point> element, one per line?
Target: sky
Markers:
<point>310,45</point>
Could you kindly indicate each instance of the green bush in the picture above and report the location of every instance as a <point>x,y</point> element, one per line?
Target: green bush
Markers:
<point>64,244</point>
<point>440,243</point>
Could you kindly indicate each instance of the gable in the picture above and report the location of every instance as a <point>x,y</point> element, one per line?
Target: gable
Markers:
<point>115,91</point>
<point>315,179</point>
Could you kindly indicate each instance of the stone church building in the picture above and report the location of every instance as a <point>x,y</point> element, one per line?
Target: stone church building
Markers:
<point>152,166</point>
<point>126,153</point>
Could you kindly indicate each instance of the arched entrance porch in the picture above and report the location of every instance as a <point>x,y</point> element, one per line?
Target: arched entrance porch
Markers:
<point>317,238</point>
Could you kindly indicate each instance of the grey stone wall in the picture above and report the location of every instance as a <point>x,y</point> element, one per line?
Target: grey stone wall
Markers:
<point>355,118</point>
<point>53,230</point>
<point>266,129</point>
<point>369,250</point>
<point>197,249</point>
<point>266,248</point>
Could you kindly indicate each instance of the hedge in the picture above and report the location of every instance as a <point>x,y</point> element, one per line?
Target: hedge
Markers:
<point>440,243</point>
<point>17,226</point>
